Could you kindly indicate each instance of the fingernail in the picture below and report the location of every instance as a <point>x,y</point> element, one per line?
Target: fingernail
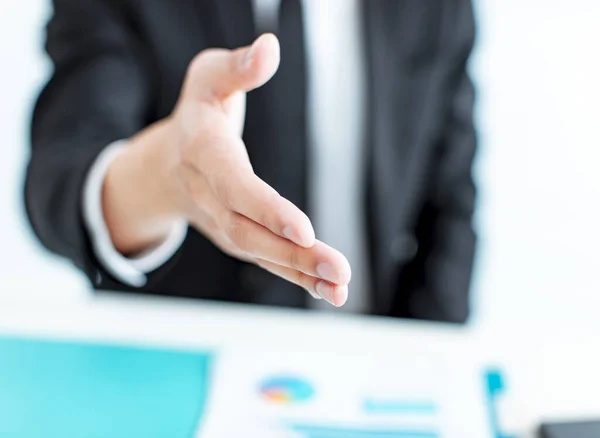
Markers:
<point>290,234</point>
<point>313,294</point>
<point>325,290</point>
<point>341,296</point>
<point>327,272</point>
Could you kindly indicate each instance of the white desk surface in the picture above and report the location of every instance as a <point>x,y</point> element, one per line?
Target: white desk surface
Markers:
<point>553,372</point>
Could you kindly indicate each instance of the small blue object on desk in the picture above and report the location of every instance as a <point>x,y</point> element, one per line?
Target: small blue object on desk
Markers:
<point>61,389</point>
<point>495,387</point>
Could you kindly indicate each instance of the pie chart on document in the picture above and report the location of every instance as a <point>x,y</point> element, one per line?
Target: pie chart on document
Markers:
<point>285,390</point>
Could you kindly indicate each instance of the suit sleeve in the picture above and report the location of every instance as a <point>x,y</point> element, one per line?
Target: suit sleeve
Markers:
<point>438,279</point>
<point>101,91</point>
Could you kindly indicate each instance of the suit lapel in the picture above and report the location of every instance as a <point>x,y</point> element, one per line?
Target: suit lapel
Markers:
<point>381,22</point>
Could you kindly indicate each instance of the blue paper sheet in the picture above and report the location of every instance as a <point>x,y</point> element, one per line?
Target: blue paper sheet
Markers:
<point>50,389</point>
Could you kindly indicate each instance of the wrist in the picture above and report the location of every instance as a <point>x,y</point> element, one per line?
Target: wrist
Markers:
<point>140,202</point>
<point>154,152</point>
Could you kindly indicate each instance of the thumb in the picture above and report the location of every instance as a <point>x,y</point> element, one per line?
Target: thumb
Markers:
<point>216,74</point>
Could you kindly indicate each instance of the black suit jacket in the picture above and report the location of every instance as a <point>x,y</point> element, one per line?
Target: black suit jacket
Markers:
<point>119,65</point>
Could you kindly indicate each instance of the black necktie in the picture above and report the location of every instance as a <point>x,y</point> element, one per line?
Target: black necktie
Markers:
<point>291,36</point>
<point>276,132</point>
<point>290,86</point>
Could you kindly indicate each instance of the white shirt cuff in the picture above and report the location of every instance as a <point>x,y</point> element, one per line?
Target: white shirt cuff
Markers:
<point>129,270</point>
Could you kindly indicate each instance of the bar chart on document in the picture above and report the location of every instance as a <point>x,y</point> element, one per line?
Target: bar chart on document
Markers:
<point>307,395</point>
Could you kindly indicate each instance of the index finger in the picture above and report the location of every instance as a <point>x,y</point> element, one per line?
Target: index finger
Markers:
<point>224,162</point>
<point>248,195</point>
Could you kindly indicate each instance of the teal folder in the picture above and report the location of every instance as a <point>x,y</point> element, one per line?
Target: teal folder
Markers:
<point>63,389</point>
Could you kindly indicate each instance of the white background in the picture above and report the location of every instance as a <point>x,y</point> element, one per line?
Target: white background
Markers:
<point>538,70</point>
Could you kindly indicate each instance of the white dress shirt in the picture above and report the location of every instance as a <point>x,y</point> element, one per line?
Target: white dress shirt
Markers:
<point>336,104</point>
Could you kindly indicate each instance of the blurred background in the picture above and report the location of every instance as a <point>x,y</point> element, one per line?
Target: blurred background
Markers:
<point>537,69</point>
